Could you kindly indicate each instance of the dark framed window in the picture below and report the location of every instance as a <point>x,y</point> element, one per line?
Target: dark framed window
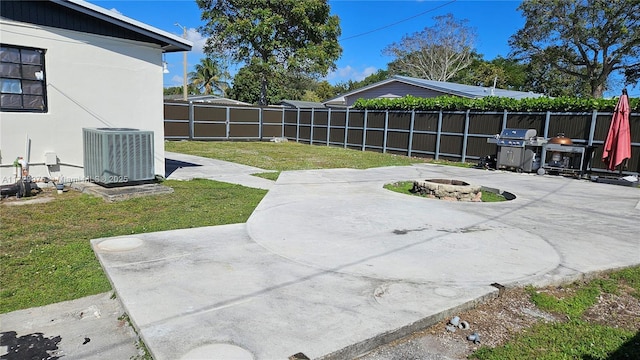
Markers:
<point>22,79</point>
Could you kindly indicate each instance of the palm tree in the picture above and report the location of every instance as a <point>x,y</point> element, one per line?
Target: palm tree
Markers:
<point>208,77</point>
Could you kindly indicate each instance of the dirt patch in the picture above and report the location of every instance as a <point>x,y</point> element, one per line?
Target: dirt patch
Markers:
<point>495,321</point>
<point>618,311</point>
<point>499,320</point>
<point>27,201</point>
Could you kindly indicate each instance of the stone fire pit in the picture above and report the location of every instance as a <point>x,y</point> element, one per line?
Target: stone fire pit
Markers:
<point>447,189</point>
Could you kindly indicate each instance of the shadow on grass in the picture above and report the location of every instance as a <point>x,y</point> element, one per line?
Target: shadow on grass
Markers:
<point>629,350</point>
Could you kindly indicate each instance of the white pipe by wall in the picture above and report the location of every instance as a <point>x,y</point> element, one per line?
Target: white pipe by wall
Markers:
<point>27,149</point>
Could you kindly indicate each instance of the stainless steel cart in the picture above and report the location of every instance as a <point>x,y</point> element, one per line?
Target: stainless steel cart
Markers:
<point>567,159</point>
<point>519,149</point>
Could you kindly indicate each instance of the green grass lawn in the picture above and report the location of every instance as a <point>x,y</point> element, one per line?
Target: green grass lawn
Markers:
<point>45,252</point>
<point>289,155</point>
<point>567,340</point>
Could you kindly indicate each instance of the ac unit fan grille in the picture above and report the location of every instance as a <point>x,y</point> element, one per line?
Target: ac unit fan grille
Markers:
<point>118,155</point>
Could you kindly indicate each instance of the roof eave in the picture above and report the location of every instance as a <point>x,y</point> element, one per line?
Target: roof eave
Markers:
<point>443,90</point>
<point>352,92</point>
<point>170,42</point>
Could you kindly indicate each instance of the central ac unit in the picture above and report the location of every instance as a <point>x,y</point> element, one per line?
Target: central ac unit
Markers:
<point>118,155</point>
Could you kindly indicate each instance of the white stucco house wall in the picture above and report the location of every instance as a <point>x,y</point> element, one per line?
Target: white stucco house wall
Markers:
<point>66,65</point>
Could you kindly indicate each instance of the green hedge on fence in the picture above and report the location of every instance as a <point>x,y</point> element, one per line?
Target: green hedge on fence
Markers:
<point>494,103</point>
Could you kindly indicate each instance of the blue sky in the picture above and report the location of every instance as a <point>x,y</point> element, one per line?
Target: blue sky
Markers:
<point>493,21</point>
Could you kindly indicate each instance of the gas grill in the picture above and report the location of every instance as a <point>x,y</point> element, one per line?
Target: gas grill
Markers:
<point>519,149</point>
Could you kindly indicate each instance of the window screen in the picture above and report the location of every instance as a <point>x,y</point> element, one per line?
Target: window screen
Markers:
<point>22,79</point>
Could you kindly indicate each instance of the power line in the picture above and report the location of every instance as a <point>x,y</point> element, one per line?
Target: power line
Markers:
<point>397,22</point>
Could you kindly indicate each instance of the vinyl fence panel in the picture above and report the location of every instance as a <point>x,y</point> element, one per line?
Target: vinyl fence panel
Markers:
<point>451,135</point>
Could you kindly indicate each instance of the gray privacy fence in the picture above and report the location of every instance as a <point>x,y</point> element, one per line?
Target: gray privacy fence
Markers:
<point>450,135</point>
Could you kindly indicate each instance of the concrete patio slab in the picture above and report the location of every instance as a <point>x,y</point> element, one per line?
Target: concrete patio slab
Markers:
<point>331,265</point>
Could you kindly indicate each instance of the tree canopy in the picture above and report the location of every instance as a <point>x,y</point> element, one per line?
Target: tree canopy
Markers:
<point>545,78</point>
<point>208,77</point>
<point>283,85</point>
<point>435,53</point>
<point>586,40</point>
<point>325,91</point>
<point>501,72</point>
<point>178,90</point>
<point>273,36</point>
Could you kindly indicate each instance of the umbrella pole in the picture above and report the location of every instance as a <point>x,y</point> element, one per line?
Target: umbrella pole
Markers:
<point>622,165</point>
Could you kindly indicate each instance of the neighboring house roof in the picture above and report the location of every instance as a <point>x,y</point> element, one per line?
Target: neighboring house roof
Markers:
<point>301,104</point>
<point>82,16</point>
<point>434,88</point>
<point>469,91</point>
<point>210,99</point>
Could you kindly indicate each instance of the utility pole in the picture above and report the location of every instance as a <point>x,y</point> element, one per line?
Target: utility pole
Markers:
<point>184,64</point>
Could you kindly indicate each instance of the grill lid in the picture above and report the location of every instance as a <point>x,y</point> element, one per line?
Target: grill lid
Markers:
<point>518,134</point>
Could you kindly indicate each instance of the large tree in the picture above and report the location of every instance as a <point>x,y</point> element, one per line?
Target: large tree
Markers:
<point>503,73</point>
<point>435,53</point>
<point>545,78</point>
<point>325,91</point>
<point>587,40</point>
<point>283,85</point>
<point>208,77</point>
<point>273,36</point>
<point>246,86</point>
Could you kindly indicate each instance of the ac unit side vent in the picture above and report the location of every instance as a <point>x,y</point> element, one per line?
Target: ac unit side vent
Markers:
<point>118,156</point>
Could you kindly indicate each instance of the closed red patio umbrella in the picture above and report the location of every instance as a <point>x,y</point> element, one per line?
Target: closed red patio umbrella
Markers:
<point>617,147</point>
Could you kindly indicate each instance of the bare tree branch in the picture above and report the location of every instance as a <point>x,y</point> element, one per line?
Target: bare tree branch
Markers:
<point>435,53</point>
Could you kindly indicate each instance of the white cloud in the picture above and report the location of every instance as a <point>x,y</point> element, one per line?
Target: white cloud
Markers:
<point>347,73</point>
<point>197,39</point>
<point>176,80</point>
<point>368,71</point>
